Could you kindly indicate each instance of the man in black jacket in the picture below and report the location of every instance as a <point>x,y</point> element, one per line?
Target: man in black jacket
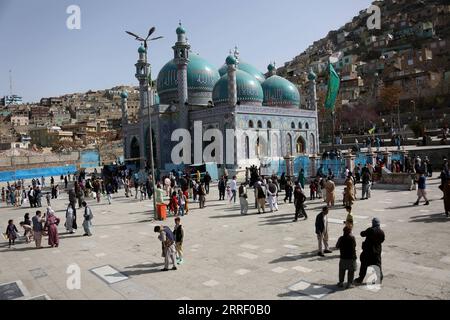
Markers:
<point>347,247</point>
<point>371,254</point>
<point>322,231</point>
<point>207,180</point>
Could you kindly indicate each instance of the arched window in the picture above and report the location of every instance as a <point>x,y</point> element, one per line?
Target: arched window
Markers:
<point>247,147</point>
<point>292,125</point>
<point>259,124</point>
<point>307,125</point>
<point>269,125</point>
<point>300,146</point>
<point>300,126</point>
<point>250,124</point>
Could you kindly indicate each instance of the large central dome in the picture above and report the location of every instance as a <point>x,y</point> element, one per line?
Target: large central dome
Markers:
<point>249,90</point>
<point>201,76</point>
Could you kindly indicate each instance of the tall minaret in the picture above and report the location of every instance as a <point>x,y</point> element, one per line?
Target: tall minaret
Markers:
<point>181,59</point>
<point>232,86</point>
<point>142,68</point>
<point>313,103</point>
<point>124,106</point>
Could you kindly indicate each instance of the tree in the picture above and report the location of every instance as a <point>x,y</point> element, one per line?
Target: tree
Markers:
<point>390,100</point>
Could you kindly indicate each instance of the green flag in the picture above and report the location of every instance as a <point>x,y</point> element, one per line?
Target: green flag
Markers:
<point>333,88</point>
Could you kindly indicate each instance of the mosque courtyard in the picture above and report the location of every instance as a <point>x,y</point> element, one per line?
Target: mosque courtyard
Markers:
<point>229,256</point>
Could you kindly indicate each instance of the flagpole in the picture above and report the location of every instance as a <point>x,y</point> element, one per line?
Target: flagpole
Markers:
<point>333,115</point>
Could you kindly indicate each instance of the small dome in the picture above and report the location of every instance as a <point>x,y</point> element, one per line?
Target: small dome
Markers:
<point>312,76</point>
<point>124,95</point>
<point>181,30</point>
<point>280,92</point>
<point>253,71</point>
<point>249,90</point>
<point>270,67</point>
<point>141,49</point>
<point>202,76</point>
<point>230,60</point>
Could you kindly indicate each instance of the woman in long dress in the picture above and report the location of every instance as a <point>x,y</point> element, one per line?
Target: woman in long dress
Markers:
<point>52,228</point>
<point>330,197</point>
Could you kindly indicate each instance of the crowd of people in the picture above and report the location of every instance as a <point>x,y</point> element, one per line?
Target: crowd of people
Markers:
<point>178,190</point>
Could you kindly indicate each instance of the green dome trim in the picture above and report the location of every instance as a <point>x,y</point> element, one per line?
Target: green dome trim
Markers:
<point>249,89</point>
<point>247,68</point>
<point>280,92</point>
<point>180,30</point>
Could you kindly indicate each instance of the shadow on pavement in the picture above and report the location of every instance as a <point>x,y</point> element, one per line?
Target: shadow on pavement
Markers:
<point>438,217</point>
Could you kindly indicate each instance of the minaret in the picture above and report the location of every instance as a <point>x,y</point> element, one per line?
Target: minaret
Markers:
<point>313,103</point>
<point>181,59</point>
<point>232,86</point>
<point>142,68</point>
<point>272,69</point>
<point>124,107</point>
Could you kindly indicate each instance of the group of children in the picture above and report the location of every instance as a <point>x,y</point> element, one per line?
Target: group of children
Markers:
<point>11,233</point>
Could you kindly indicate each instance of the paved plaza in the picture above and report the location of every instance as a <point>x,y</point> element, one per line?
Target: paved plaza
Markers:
<point>229,256</point>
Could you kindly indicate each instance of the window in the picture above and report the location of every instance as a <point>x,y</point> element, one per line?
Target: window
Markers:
<point>300,126</point>
<point>292,125</point>
<point>250,124</point>
<point>259,124</point>
<point>307,126</point>
<point>269,125</point>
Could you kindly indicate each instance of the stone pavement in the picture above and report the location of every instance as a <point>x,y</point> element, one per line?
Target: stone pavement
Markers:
<point>229,256</point>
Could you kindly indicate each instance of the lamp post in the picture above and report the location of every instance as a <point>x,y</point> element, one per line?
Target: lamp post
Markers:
<point>147,101</point>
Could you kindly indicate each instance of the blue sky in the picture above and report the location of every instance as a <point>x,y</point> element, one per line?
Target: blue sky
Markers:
<point>48,59</point>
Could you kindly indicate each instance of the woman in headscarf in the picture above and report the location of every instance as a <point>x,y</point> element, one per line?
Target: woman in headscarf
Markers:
<point>70,217</point>
<point>52,228</point>
<point>349,195</point>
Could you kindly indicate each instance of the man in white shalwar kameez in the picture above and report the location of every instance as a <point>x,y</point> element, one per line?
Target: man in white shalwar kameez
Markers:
<point>272,191</point>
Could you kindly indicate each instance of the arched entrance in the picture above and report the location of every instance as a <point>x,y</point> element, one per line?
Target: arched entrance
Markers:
<point>134,151</point>
<point>300,146</point>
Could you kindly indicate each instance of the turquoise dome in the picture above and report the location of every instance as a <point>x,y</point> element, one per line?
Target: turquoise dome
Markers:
<point>141,49</point>
<point>249,89</point>
<point>230,60</point>
<point>270,67</point>
<point>124,95</point>
<point>202,76</point>
<point>312,76</point>
<point>181,30</point>
<point>280,92</point>
<point>247,68</point>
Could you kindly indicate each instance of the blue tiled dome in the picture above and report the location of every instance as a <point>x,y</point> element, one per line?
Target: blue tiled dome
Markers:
<point>202,76</point>
<point>249,90</point>
<point>280,92</point>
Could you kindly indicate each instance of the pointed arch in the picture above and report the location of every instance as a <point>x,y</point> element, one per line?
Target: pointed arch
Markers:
<point>300,146</point>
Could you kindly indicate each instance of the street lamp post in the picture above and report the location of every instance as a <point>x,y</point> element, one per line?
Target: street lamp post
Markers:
<point>147,101</point>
